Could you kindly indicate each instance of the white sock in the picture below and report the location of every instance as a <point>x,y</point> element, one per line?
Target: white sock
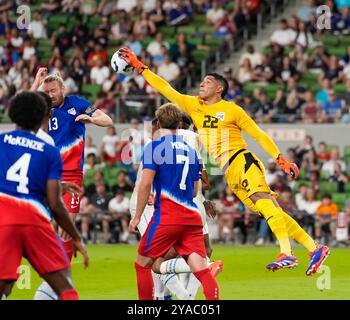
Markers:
<point>172,282</point>
<point>193,286</point>
<point>184,277</point>
<point>3,297</point>
<point>177,265</point>
<point>158,287</point>
<point>45,292</point>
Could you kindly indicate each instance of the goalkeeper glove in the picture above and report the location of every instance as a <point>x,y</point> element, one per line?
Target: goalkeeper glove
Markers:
<point>288,167</point>
<point>131,59</point>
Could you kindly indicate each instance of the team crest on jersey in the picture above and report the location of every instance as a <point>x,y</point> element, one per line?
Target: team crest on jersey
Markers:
<point>220,116</point>
<point>72,111</point>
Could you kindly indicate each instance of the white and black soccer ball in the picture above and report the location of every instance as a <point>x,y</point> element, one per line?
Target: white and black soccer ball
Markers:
<point>119,65</point>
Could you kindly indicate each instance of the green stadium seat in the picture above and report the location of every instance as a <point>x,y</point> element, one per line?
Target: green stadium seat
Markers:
<point>346,150</point>
<point>347,189</point>
<point>206,29</point>
<point>347,158</point>
<point>91,91</point>
<point>339,199</point>
<point>199,55</point>
<point>89,177</point>
<point>330,146</point>
<point>300,182</point>
<point>328,187</point>
<point>324,175</point>
<point>302,174</point>
<point>189,29</point>
<point>198,20</point>
<point>167,31</point>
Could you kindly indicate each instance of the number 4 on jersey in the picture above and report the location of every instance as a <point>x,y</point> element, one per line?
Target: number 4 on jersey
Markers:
<point>18,173</point>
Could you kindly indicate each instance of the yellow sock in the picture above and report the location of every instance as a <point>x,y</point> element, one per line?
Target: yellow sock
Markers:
<point>276,222</point>
<point>298,233</point>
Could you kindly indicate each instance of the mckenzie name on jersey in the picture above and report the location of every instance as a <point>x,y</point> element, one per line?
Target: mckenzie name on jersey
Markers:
<point>177,168</point>
<point>68,134</point>
<point>26,164</point>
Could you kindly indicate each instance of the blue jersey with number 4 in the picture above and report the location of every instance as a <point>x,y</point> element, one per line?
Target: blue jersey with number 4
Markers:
<point>68,134</point>
<point>26,164</point>
<point>177,168</point>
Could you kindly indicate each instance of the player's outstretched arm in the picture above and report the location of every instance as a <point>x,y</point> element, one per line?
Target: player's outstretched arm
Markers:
<point>145,187</point>
<point>39,79</point>
<point>158,83</point>
<point>248,125</point>
<point>98,118</point>
<point>60,213</point>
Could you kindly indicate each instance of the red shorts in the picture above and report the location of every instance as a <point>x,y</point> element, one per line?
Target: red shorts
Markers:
<point>157,240</point>
<point>41,246</point>
<point>72,201</point>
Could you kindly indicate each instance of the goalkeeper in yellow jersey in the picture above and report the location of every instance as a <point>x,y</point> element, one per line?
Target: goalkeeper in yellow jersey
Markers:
<point>220,124</point>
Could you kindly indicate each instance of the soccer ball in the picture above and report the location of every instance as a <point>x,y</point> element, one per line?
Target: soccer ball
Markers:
<point>119,65</point>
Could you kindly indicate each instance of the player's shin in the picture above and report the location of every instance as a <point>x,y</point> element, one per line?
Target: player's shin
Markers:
<point>210,286</point>
<point>144,282</point>
<point>276,222</point>
<point>177,265</point>
<point>298,233</point>
<point>173,283</point>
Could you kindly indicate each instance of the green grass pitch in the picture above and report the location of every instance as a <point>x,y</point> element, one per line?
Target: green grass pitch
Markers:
<point>111,275</point>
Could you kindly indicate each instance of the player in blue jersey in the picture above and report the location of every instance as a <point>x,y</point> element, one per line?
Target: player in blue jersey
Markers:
<point>67,128</point>
<point>173,168</point>
<point>30,173</point>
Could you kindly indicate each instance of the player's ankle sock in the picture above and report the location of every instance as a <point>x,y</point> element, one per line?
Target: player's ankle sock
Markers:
<point>276,222</point>
<point>144,282</point>
<point>193,286</point>
<point>69,295</point>
<point>298,233</point>
<point>172,282</point>
<point>3,297</point>
<point>158,286</point>
<point>210,286</point>
<point>45,292</point>
<point>177,265</point>
<point>68,247</point>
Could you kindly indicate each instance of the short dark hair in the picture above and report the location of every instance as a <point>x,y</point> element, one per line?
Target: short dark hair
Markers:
<point>169,116</point>
<point>186,121</point>
<point>47,100</point>
<point>27,110</point>
<point>222,80</point>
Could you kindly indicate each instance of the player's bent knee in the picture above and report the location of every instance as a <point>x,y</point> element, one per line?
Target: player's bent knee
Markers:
<point>261,195</point>
<point>145,262</point>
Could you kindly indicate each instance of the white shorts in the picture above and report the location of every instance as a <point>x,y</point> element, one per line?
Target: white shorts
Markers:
<point>198,201</point>
<point>145,218</point>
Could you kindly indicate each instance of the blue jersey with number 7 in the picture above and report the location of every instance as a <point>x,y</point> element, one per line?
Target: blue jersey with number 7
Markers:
<point>26,164</point>
<point>177,168</point>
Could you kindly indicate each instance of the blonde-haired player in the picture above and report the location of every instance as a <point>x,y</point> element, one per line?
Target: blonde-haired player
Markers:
<point>220,124</point>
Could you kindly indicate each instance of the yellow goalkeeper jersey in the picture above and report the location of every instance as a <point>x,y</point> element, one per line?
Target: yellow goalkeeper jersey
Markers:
<point>219,125</point>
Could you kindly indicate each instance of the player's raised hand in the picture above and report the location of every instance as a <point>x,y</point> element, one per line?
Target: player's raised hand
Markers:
<point>78,245</point>
<point>39,79</point>
<point>84,118</point>
<point>133,224</point>
<point>68,187</point>
<point>210,208</point>
<point>288,167</point>
<point>130,57</point>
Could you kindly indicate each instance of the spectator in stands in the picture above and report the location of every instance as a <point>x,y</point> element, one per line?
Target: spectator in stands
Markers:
<point>314,178</point>
<point>98,179</point>
<point>332,71</point>
<point>144,27</point>
<point>229,204</point>
<point>272,172</point>
<point>245,72</point>
<point>118,211</point>
<point>224,27</point>
<point>304,148</point>
<point>50,7</point>
<point>99,204</point>
<point>69,83</point>
<point>128,5</point>
<point>215,13</point>
<point>265,109</point>
<point>310,162</point>
<point>122,28</point>
<point>303,37</point>
<point>340,177</point>
<point>254,57</point>
<point>123,183</point>
<point>90,163</point>
<point>263,71</point>
<point>180,13</point>
<point>90,146</point>
<point>87,7</point>
<point>158,14</point>
<point>333,108</point>
<point>15,74</point>
<point>100,72</point>
<point>27,49</point>
<point>70,6</point>
<point>326,217</point>
<point>134,44</point>
<point>184,60</point>
<point>322,96</point>
<point>62,38</point>
<point>318,59</point>
<point>78,72</point>
<point>340,22</point>
<point>285,36</point>
<point>154,47</point>
<point>310,109</point>
<point>305,11</point>
<point>309,206</point>
<point>322,152</point>
<point>330,166</point>
<point>286,71</point>
<point>108,152</point>
<point>288,204</point>
<point>106,103</point>
<point>15,39</point>
<point>299,58</point>
<point>169,70</point>
<point>275,57</point>
<point>97,53</point>
<point>234,92</point>
<point>56,55</point>
<point>37,27</point>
